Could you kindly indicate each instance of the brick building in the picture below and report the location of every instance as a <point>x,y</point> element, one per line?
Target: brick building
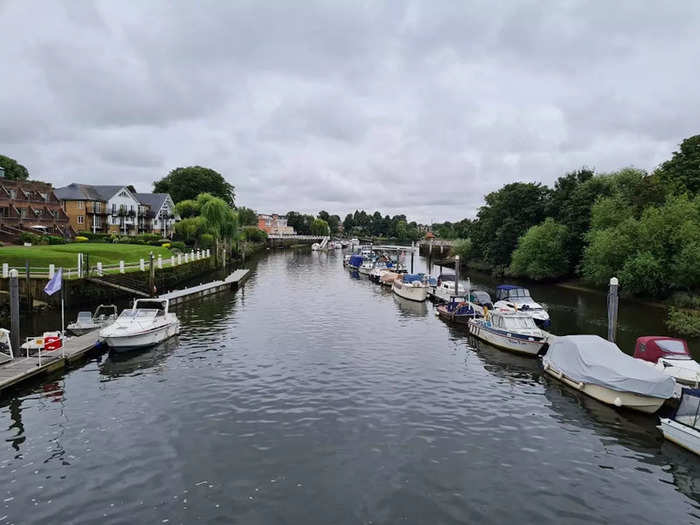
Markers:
<point>274,224</point>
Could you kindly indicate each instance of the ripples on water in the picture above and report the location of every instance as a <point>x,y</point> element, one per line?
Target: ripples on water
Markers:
<point>313,397</point>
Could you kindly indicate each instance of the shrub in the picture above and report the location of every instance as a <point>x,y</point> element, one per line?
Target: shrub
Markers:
<point>147,237</point>
<point>165,245</point>
<point>178,245</point>
<point>685,323</point>
<point>152,243</point>
<point>254,234</point>
<point>206,240</point>
<point>80,238</point>
<point>31,237</point>
<point>98,237</point>
<point>55,239</point>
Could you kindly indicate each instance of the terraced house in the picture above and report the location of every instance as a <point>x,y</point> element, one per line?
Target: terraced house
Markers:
<point>114,209</point>
<point>30,206</point>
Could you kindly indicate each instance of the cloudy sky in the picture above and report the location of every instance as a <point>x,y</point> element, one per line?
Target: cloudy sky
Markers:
<point>415,107</point>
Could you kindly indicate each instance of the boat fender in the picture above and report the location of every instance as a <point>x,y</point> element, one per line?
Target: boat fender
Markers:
<point>617,402</point>
<point>580,386</point>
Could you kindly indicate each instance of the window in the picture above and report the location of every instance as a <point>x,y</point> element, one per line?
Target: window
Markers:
<point>81,219</point>
<point>80,205</point>
<point>13,194</point>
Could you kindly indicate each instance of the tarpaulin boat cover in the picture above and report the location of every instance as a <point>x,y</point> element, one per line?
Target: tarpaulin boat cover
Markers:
<point>388,277</point>
<point>355,260</point>
<point>592,359</point>
<point>413,277</point>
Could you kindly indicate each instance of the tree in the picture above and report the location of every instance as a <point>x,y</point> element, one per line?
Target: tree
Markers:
<point>323,214</point>
<point>682,172</point>
<point>187,208</point>
<point>188,183</point>
<point>333,223</point>
<point>541,252</point>
<point>348,223</point>
<point>401,230</point>
<point>319,227</point>
<point>190,229</point>
<point>246,216</point>
<point>13,169</point>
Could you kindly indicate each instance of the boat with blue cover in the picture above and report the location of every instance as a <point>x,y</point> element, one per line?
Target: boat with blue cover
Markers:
<point>458,310</point>
<point>355,262</point>
<point>516,332</point>
<point>411,286</point>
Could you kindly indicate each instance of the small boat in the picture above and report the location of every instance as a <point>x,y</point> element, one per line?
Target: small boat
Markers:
<point>600,369</point>
<point>671,356</point>
<point>410,286</point>
<point>683,426</point>
<point>105,315</point>
<point>376,273</point>
<point>315,246</point>
<point>146,324</point>
<point>510,331</point>
<point>457,310</point>
<point>355,262</point>
<point>6,353</point>
<point>366,266</point>
<point>387,278</point>
<point>516,298</point>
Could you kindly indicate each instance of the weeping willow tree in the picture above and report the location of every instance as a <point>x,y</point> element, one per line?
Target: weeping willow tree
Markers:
<point>222,222</point>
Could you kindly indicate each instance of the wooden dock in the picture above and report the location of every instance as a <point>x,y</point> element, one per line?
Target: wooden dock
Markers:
<point>22,368</point>
<point>232,282</point>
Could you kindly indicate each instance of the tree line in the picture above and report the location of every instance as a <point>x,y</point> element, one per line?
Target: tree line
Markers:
<point>642,227</point>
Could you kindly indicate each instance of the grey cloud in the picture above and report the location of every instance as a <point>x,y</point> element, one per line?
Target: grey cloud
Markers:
<point>407,107</point>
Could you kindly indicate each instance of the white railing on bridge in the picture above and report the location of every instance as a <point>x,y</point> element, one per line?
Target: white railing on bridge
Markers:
<point>296,237</point>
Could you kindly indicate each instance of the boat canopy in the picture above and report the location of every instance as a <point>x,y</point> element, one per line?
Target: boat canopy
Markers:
<point>688,411</point>
<point>651,348</point>
<point>592,359</point>
<point>481,298</point>
<point>413,277</point>
<point>355,260</point>
<point>510,291</point>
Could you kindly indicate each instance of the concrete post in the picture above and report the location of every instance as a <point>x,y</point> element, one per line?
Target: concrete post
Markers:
<point>5,270</point>
<point>121,266</point>
<point>99,268</point>
<point>160,262</point>
<point>52,270</point>
<point>14,310</point>
<point>613,302</point>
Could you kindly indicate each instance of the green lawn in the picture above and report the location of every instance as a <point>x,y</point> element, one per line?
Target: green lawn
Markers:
<point>66,254</point>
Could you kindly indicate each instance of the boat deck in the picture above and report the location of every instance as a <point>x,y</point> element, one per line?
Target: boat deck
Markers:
<point>22,368</point>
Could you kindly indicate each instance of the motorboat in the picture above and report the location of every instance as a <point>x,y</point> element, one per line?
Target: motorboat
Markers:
<point>355,262</point>
<point>366,266</point>
<point>511,298</point>
<point>86,322</point>
<point>457,310</point>
<point>145,324</point>
<point>315,246</point>
<point>410,286</point>
<point>671,356</point>
<point>387,278</point>
<point>379,269</point>
<point>512,331</point>
<point>683,426</point>
<point>601,370</point>
<point>6,353</point>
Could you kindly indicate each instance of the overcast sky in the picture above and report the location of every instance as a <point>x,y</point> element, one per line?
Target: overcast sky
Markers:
<point>404,106</point>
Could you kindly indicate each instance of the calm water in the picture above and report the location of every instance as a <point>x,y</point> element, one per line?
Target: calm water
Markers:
<point>313,397</point>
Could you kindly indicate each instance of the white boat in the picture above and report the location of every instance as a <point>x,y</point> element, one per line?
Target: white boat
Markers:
<point>146,324</point>
<point>683,427</point>
<point>315,246</point>
<point>387,278</point>
<point>410,286</point>
<point>509,331</point>
<point>87,322</point>
<point>511,298</point>
<point>6,353</point>
<point>671,356</point>
<point>366,267</point>
<point>600,369</point>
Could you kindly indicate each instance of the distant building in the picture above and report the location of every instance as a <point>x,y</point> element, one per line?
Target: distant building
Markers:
<point>274,224</point>
<point>429,235</point>
<point>117,209</point>
<point>30,206</point>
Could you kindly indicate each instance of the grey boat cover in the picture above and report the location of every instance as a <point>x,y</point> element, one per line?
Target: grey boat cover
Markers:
<point>592,359</point>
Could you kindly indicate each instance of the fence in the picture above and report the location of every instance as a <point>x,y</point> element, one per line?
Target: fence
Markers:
<point>100,269</point>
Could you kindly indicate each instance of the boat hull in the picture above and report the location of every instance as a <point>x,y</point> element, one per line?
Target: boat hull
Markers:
<point>452,318</point>
<point>136,340</point>
<point>412,293</point>
<point>631,400</point>
<point>512,344</point>
<point>681,435</point>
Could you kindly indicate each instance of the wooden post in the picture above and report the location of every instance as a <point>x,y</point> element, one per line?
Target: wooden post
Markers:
<point>613,302</point>
<point>151,277</point>
<point>14,310</point>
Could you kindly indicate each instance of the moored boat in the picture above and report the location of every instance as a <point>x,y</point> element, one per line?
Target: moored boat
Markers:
<point>86,322</point>
<point>601,370</point>
<point>683,426</point>
<point>355,262</point>
<point>410,286</point>
<point>511,298</point>
<point>457,310</point>
<point>146,324</point>
<point>670,356</point>
<point>510,331</point>
<point>387,278</point>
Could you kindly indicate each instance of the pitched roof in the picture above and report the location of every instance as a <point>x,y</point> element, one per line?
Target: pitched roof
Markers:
<point>154,200</point>
<point>79,192</point>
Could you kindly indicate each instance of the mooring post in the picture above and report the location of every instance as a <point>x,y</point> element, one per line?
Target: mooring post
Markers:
<point>413,250</point>
<point>28,284</point>
<point>14,310</point>
<point>456,274</point>
<point>613,302</point>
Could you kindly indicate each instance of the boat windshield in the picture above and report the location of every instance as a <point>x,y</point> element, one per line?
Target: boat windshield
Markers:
<point>687,412</point>
<point>84,317</point>
<point>480,297</point>
<point>671,346</point>
<point>140,313</point>
<point>518,292</point>
<point>518,323</point>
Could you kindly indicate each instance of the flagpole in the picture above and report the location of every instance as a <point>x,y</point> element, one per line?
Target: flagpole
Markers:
<point>63,321</point>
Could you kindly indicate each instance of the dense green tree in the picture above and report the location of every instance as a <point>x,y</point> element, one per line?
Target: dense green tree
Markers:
<point>463,248</point>
<point>190,229</point>
<point>541,252</point>
<point>13,169</point>
<point>682,172</point>
<point>187,208</point>
<point>348,223</point>
<point>188,183</point>
<point>401,230</point>
<point>319,227</point>
<point>333,223</point>
<point>246,216</point>
<point>323,214</point>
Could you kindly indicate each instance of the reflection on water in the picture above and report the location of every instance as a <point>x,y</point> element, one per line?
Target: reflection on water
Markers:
<point>311,389</point>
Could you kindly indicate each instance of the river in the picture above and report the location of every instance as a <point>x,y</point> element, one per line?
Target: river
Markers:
<point>314,397</point>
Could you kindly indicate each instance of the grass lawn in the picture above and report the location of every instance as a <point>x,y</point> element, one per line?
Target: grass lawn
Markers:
<point>66,255</point>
